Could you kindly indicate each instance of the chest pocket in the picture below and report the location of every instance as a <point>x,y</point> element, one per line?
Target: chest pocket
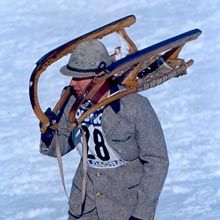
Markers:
<point>120,133</point>
<point>124,143</point>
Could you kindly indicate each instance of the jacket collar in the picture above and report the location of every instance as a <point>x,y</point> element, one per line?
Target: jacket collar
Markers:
<point>116,105</point>
<point>111,115</point>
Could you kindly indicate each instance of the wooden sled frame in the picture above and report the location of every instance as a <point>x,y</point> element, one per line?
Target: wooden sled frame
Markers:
<point>137,69</point>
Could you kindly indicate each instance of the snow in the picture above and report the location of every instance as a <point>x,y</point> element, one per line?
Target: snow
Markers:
<point>188,107</point>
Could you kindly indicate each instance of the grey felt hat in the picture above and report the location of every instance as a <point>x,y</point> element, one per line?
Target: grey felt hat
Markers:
<point>87,60</point>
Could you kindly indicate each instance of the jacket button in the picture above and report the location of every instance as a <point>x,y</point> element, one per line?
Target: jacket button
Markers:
<point>98,174</point>
<point>98,194</point>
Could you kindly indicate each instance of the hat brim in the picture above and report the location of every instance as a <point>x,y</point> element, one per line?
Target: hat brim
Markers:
<point>65,71</point>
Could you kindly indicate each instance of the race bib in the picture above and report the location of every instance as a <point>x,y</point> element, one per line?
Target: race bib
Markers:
<point>100,154</point>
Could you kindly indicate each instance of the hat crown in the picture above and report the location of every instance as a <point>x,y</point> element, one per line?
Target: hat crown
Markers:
<point>88,55</point>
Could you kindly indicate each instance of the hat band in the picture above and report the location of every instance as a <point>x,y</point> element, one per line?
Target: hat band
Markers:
<point>101,67</point>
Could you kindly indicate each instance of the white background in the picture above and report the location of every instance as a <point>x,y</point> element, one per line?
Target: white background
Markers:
<point>188,107</point>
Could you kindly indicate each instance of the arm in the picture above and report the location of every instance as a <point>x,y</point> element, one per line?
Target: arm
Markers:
<point>153,155</point>
<point>48,142</point>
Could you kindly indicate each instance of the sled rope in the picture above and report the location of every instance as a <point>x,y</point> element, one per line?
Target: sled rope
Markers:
<point>60,163</point>
<point>85,166</point>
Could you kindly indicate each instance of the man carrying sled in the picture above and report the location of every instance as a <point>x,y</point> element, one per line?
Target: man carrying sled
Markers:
<point>127,158</point>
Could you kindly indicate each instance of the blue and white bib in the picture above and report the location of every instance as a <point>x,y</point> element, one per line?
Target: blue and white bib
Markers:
<point>100,154</point>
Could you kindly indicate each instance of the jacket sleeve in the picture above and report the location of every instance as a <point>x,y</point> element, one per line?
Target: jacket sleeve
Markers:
<point>64,136</point>
<point>153,155</point>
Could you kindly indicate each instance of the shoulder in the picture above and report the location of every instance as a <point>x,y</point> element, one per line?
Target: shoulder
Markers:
<point>135,101</point>
<point>139,107</point>
<point>135,105</point>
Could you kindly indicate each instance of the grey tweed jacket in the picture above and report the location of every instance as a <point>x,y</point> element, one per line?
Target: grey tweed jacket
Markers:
<point>135,133</point>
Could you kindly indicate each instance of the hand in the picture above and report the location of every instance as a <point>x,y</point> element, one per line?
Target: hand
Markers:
<point>134,218</point>
<point>48,135</point>
<point>52,116</point>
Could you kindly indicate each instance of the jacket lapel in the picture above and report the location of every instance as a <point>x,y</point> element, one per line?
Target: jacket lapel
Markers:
<point>110,119</point>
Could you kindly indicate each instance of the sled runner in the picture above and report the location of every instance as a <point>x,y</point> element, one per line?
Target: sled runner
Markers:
<point>138,71</point>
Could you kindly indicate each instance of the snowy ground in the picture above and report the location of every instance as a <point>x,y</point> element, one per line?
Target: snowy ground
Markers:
<point>188,107</point>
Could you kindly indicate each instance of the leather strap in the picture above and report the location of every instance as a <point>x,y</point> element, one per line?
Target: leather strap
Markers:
<point>60,163</point>
<point>85,166</point>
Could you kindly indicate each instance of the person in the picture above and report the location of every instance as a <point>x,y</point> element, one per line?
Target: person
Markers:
<point>127,156</point>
